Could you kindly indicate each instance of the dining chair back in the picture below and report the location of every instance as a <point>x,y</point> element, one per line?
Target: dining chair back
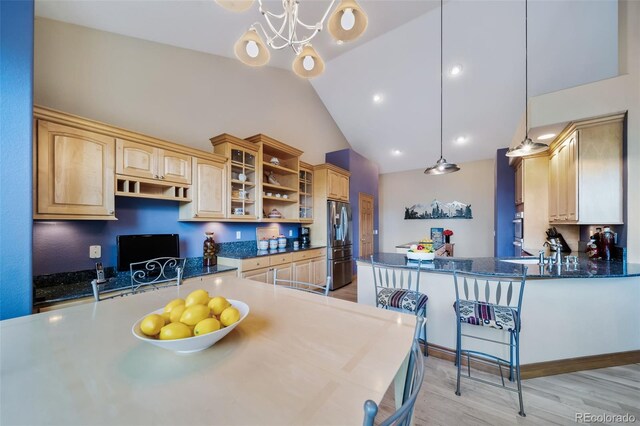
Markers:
<point>322,289</point>
<point>398,288</point>
<point>493,302</point>
<point>415,377</point>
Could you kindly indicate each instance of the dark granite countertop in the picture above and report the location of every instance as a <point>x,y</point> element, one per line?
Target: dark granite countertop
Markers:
<point>247,252</point>
<point>584,268</point>
<point>55,288</point>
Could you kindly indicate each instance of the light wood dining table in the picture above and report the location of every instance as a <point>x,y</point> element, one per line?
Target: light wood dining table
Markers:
<point>297,359</point>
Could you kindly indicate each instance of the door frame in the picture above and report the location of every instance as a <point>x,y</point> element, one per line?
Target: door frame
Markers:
<point>361,196</point>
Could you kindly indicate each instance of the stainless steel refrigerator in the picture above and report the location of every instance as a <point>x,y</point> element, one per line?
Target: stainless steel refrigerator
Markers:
<point>339,252</point>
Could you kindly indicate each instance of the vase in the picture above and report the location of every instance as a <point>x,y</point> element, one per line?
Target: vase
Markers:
<point>209,257</point>
<point>447,239</point>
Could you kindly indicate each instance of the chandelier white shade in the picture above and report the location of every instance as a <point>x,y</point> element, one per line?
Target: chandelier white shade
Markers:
<point>280,30</point>
<point>236,5</point>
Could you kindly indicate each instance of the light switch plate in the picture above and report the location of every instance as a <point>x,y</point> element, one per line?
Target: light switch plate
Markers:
<point>375,232</point>
<point>238,235</point>
<point>291,232</point>
<point>95,252</point>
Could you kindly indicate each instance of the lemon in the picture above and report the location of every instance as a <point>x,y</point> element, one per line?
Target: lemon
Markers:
<point>198,297</point>
<point>218,304</point>
<point>194,314</point>
<point>176,313</point>
<point>205,326</point>
<point>151,324</point>
<point>229,316</point>
<point>175,330</point>
<point>173,304</point>
<point>167,317</point>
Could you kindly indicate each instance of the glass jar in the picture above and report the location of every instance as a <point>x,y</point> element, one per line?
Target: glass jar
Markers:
<point>209,250</point>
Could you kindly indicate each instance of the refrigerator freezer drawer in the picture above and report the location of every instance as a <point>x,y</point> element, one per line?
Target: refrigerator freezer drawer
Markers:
<point>340,252</point>
<point>341,272</point>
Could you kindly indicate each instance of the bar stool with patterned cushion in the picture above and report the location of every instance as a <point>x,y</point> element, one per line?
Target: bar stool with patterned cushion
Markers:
<point>494,302</point>
<point>398,288</point>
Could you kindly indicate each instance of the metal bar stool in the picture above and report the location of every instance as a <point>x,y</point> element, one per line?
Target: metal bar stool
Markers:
<point>478,304</point>
<point>399,289</point>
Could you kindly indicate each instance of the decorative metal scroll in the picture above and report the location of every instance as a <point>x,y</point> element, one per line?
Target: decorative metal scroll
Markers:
<point>157,272</point>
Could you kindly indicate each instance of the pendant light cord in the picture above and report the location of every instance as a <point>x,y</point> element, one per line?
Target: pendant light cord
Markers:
<point>526,71</point>
<point>441,43</point>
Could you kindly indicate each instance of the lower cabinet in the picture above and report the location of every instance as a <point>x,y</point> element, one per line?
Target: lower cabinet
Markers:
<point>307,266</point>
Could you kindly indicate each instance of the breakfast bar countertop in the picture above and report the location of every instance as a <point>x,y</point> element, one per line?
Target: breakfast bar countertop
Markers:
<point>56,288</point>
<point>584,268</point>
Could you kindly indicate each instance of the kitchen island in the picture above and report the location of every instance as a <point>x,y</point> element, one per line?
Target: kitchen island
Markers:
<point>575,314</point>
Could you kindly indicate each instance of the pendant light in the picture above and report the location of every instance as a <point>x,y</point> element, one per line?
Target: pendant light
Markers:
<point>442,166</point>
<point>527,146</point>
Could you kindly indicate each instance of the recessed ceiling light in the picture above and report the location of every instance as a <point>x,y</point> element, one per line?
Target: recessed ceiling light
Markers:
<point>396,152</point>
<point>546,136</point>
<point>377,98</point>
<point>461,139</point>
<point>339,42</point>
<point>455,70</point>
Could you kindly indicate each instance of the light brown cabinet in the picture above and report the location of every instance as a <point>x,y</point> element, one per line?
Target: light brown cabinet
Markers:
<point>519,188</point>
<point>74,173</point>
<point>337,185</point>
<point>208,191</point>
<point>585,173</point>
<point>146,161</point>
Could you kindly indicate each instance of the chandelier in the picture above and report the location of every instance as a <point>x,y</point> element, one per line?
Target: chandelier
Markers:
<point>347,22</point>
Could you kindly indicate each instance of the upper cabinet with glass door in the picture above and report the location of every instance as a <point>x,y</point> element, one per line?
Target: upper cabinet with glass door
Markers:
<point>280,179</point>
<point>243,176</point>
<point>305,186</point>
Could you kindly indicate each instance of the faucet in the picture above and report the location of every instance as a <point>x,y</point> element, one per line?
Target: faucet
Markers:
<point>557,257</point>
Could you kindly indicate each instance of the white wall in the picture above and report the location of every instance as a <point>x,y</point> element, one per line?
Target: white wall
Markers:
<point>606,97</point>
<point>473,184</point>
<point>176,94</point>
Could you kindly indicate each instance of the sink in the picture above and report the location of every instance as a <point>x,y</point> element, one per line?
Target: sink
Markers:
<point>525,261</point>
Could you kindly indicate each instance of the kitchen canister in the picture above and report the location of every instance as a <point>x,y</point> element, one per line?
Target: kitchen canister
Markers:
<point>273,243</point>
<point>282,241</point>
<point>263,244</point>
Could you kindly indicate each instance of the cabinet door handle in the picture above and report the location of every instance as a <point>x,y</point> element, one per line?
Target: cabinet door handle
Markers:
<point>156,176</point>
<point>161,177</point>
<point>110,211</point>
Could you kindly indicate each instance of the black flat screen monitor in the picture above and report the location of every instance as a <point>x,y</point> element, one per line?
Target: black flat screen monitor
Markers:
<point>138,248</point>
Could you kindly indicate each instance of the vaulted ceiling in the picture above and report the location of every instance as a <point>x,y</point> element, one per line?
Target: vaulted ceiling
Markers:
<point>570,43</point>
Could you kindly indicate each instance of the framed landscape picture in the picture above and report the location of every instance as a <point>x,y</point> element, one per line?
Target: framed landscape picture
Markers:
<point>436,235</point>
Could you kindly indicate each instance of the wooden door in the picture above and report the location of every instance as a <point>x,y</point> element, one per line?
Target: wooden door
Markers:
<point>136,159</point>
<point>302,271</point>
<point>563,163</point>
<point>365,214</point>
<point>572,177</point>
<point>553,187</point>
<point>75,171</point>
<point>519,190</point>
<point>261,275</point>
<point>344,188</point>
<point>319,270</point>
<point>174,166</point>
<point>334,189</point>
<point>209,188</point>
<point>285,272</point>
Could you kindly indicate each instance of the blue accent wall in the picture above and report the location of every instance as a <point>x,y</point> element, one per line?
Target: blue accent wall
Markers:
<point>63,246</point>
<point>505,207</point>
<point>364,178</point>
<point>16,112</point>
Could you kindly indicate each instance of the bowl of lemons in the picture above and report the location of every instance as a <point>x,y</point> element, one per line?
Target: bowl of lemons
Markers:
<point>191,324</point>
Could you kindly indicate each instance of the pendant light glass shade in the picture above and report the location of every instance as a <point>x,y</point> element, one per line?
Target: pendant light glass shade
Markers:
<point>236,5</point>
<point>442,167</point>
<point>348,21</point>
<point>308,63</point>
<point>527,147</point>
<point>251,50</point>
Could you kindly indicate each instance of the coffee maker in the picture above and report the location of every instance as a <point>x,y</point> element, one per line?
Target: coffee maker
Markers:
<point>304,236</point>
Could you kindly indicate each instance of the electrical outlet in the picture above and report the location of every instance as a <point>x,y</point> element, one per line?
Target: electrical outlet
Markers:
<point>375,232</point>
<point>238,235</point>
<point>291,232</point>
<point>95,252</point>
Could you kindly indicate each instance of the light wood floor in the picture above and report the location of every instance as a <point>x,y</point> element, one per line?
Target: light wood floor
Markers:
<point>548,400</point>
